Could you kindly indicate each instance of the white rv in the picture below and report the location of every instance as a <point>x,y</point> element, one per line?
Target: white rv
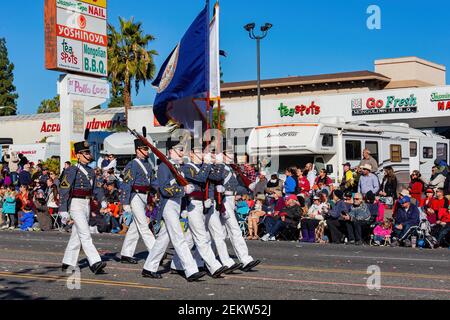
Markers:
<point>330,144</point>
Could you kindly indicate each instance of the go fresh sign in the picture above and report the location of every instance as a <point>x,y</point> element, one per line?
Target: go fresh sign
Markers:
<point>76,36</point>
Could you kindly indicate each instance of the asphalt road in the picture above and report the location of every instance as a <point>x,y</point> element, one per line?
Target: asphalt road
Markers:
<point>30,269</point>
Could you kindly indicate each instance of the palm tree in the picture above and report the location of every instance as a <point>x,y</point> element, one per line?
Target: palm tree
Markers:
<point>128,58</point>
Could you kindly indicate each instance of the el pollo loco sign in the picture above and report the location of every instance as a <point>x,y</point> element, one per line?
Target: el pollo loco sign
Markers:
<point>76,37</point>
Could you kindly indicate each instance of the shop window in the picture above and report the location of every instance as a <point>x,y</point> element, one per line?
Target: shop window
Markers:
<point>353,150</point>
<point>413,149</point>
<point>372,146</point>
<point>442,151</point>
<point>327,140</point>
<point>428,153</point>
<point>396,153</point>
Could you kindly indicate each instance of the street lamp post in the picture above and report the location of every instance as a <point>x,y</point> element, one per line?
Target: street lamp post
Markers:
<point>250,28</point>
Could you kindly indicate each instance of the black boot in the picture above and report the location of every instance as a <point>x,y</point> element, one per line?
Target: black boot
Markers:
<point>98,267</point>
<point>233,268</point>
<point>250,265</point>
<point>196,276</point>
<point>128,260</point>
<point>152,275</point>
<point>219,272</point>
<point>65,267</point>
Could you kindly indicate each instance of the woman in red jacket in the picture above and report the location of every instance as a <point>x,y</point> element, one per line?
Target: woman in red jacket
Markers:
<point>303,184</point>
<point>444,226</point>
<point>416,186</point>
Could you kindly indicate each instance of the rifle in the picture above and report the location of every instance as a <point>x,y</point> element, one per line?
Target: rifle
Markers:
<point>243,177</point>
<point>180,179</point>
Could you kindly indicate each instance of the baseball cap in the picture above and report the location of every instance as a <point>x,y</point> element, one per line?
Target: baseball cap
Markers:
<point>404,200</point>
<point>429,191</point>
<point>316,198</point>
<point>292,197</point>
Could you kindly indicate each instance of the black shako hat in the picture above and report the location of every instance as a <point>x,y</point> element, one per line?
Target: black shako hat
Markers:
<point>82,147</point>
<point>138,143</point>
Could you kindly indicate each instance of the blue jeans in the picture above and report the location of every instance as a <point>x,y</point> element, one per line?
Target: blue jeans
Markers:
<point>274,227</point>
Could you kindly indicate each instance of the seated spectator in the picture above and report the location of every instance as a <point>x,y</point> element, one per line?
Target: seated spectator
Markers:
<point>437,179</point>
<point>375,208</point>
<point>303,184</point>
<point>261,185</point>
<point>408,216</point>
<point>416,186</point>
<point>401,195</point>
<point>443,227</point>
<point>242,207</point>
<point>110,210</point>
<point>323,179</point>
<point>27,220</point>
<point>274,184</point>
<point>311,221</point>
<point>437,203</point>
<point>289,215</point>
<point>356,219</point>
<point>335,223</point>
<point>382,232</point>
<point>426,202</point>
<point>253,220</point>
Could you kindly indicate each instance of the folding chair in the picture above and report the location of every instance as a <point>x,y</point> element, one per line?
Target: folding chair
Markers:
<point>243,224</point>
<point>56,221</point>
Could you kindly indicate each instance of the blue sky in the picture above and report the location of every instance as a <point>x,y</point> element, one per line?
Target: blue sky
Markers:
<point>309,37</point>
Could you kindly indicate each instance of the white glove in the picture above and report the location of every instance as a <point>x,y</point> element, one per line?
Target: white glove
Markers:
<point>253,186</point>
<point>208,203</point>
<point>220,189</point>
<point>65,217</point>
<point>207,158</point>
<point>127,208</point>
<point>184,214</point>
<point>104,205</point>
<point>219,158</point>
<point>189,189</point>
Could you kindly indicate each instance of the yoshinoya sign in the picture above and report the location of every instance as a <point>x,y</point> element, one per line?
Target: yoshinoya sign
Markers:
<point>76,36</point>
<point>88,88</point>
<point>390,104</point>
<point>442,100</point>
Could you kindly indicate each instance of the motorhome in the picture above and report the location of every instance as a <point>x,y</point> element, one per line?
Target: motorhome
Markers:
<point>121,145</point>
<point>331,143</point>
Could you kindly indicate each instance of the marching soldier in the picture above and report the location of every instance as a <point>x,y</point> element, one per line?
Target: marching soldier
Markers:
<point>196,172</point>
<point>231,189</point>
<point>78,186</point>
<point>170,207</point>
<point>136,186</point>
<point>213,221</point>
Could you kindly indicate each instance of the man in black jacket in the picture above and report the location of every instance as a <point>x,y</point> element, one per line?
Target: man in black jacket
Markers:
<point>291,214</point>
<point>335,223</point>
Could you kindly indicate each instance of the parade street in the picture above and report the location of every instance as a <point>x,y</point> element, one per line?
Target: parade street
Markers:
<point>30,269</point>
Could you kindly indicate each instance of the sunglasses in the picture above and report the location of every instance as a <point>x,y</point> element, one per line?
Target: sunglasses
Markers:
<point>358,199</point>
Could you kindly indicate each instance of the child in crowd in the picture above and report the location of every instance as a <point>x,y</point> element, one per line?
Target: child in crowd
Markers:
<point>27,219</point>
<point>9,207</point>
<point>382,233</point>
<point>253,220</point>
<point>2,197</point>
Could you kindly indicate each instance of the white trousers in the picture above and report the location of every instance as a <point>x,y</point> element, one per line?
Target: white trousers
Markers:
<point>200,236</point>
<point>235,233</point>
<point>138,227</point>
<point>81,236</point>
<point>171,231</point>
<point>219,226</point>
<point>176,262</point>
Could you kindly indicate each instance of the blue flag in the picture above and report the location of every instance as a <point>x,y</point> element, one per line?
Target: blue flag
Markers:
<point>183,81</point>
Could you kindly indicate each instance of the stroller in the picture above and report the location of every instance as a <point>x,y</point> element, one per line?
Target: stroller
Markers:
<point>422,232</point>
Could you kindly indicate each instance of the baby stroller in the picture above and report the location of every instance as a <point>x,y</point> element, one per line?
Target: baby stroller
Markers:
<point>422,232</point>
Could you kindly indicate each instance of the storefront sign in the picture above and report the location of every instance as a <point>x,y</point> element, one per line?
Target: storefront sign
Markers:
<point>94,125</point>
<point>300,110</point>
<point>76,36</point>
<point>391,104</point>
<point>443,101</point>
<point>89,88</point>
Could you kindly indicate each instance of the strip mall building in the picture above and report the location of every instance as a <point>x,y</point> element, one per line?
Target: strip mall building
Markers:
<point>402,90</point>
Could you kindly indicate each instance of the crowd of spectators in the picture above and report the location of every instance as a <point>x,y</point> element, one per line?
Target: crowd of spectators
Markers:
<point>364,208</point>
